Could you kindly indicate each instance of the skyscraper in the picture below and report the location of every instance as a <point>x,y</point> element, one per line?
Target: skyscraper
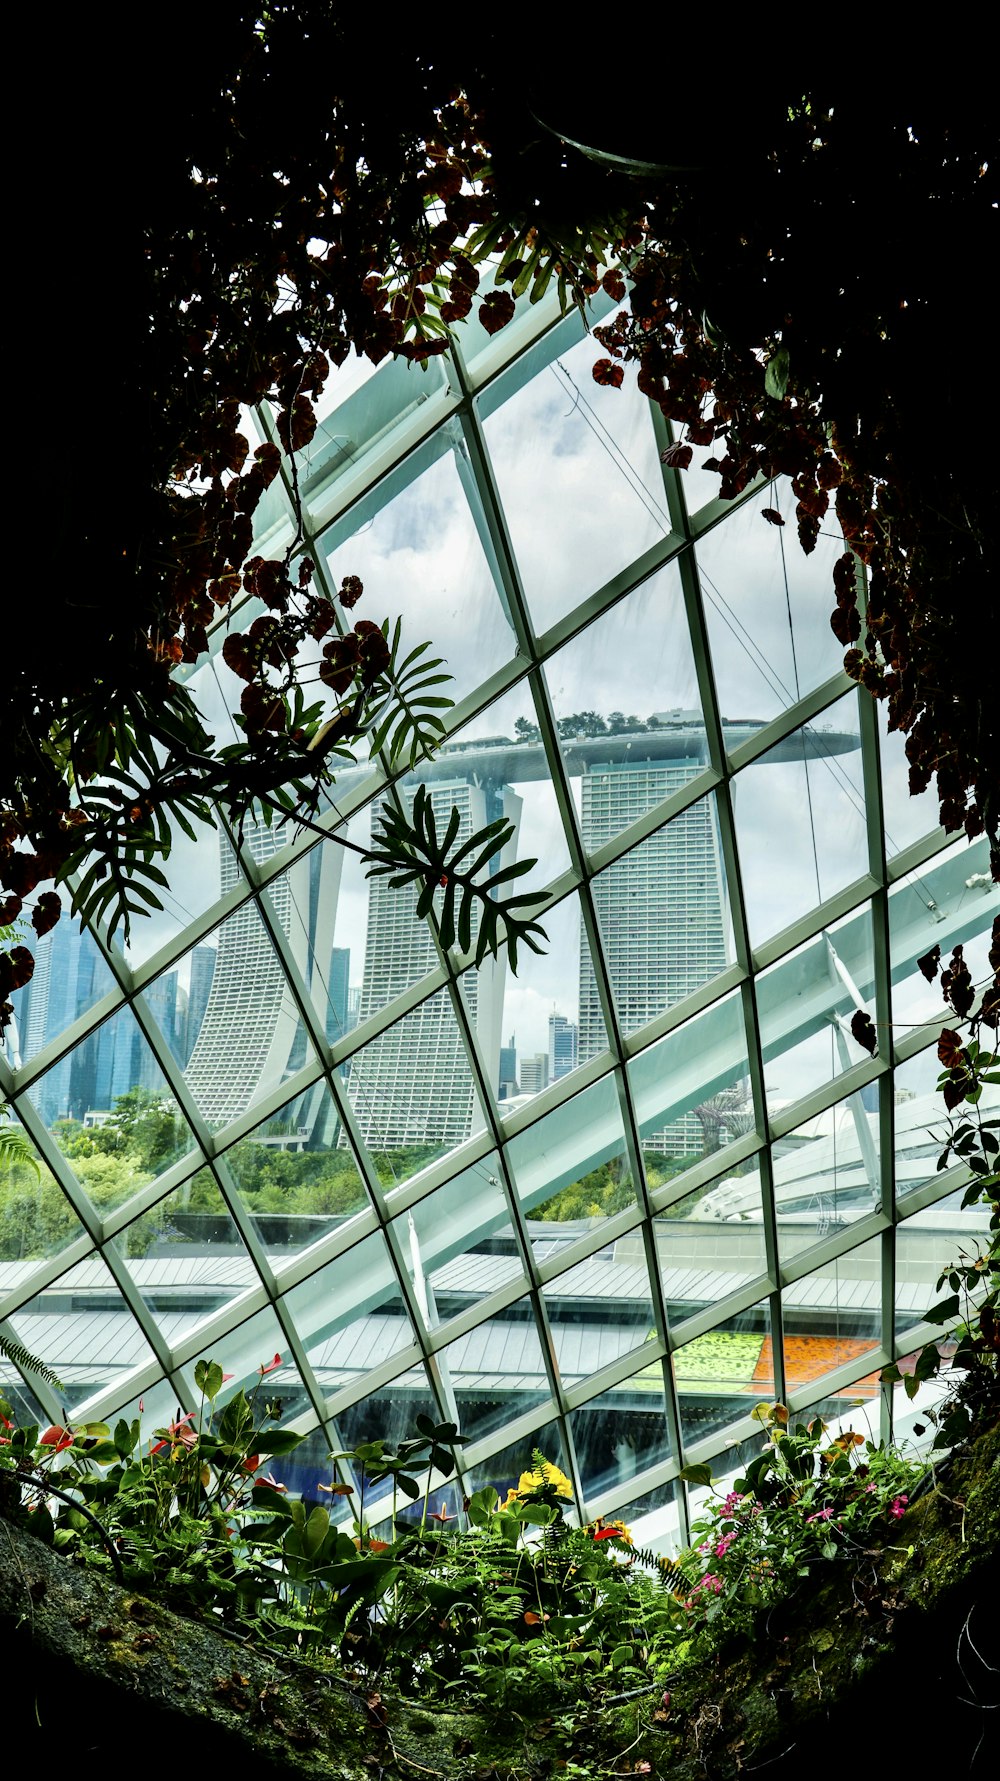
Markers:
<point>564,1046</point>
<point>249,993</point>
<point>414,1086</point>
<point>661,906</point>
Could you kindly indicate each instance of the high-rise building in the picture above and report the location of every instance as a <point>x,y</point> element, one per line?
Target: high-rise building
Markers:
<point>564,1046</point>
<point>661,906</point>
<point>249,992</point>
<point>415,1086</point>
<point>507,1077</point>
<point>534,1073</point>
<point>202,971</point>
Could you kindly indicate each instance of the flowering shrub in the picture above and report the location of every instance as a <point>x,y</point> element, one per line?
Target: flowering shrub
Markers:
<point>801,1501</point>
<point>488,1608</point>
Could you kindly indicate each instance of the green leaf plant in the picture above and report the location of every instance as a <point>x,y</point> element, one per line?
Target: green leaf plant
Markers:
<point>970,1061</point>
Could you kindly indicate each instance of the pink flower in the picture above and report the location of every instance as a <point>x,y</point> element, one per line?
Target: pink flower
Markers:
<point>899,1507</point>
<point>724,1544</point>
<point>710,1582</point>
<point>268,1369</point>
<point>179,1433</point>
<point>869,1489</point>
<point>822,1515</point>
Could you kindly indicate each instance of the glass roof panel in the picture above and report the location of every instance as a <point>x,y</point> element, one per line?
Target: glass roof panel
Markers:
<point>621,1432</point>
<point>259,963</point>
<point>571,1168</point>
<point>579,476</point>
<point>720,1376</point>
<point>415,542</point>
<point>296,1175</point>
<point>806,796</point>
<point>768,606</point>
<point>663,910</point>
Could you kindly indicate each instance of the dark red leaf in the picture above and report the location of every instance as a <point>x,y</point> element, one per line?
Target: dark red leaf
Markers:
<point>351,590</point>
<point>606,372</point>
<point>951,1051</point>
<point>10,909</point>
<point>496,311</point>
<point>772,516</point>
<point>863,1030</point>
<point>678,456</point>
<point>929,963</point>
<point>956,1088</point>
<point>22,965</point>
<point>46,912</point>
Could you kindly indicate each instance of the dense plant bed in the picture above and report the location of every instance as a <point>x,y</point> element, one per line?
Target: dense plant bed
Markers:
<point>815,1583</point>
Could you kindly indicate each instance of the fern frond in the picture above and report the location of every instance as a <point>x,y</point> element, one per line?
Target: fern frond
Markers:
<point>28,1362</point>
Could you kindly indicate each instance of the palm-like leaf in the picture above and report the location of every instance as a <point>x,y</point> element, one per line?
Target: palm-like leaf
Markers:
<point>409,851</point>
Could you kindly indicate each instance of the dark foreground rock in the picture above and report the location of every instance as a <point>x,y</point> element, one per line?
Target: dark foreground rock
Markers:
<point>892,1659</point>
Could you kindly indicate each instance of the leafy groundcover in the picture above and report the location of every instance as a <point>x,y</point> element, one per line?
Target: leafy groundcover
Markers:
<point>168,1586</point>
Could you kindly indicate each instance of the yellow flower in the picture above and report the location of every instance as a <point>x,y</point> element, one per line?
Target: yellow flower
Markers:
<point>529,1481</point>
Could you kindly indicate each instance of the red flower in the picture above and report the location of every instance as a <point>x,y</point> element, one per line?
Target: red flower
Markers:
<point>269,1369</point>
<point>267,1482</point>
<point>606,1533</point>
<point>56,1437</point>
<point>441,1515</point>
<point>178,1432</point>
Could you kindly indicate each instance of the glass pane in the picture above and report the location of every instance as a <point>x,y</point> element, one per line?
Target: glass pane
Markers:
<point>417,535</point>
<point>833,1316</point>
<point>827,1172</point>
<point>256,1359</point>
<point>639,757</point>
<point>517,1466</point>
<point>540,1036</point>
<point>360,407</point>
<point>806,1004</point>
<point>907,815</point>
<point>81,1327</point>
<point>622,1432</point>
<point>389,1415</point>
<point>653,1520</point>
<point>722,1375</point>
<point>925,1244</point>
<point>250,1036</point>
<point>711,1244</point>
<point>186,1258</point>
<point>296,1174</point>
<point>917,1112</point>
<point>70,975</point>
<point>495,1373</point>
<point>691,1090</point>
<point>579,478</point>
<point>412,1090</point>
<point>36,1218</point>
<point>600,1310</point>
<point>953,901</point>
<point>350,1315</point>
<point>571,1170</point>
<point>767,605</point>
<point>457,1245</point>
<point>502,749</point>
<point>664,915</point>
<point>806,796</point>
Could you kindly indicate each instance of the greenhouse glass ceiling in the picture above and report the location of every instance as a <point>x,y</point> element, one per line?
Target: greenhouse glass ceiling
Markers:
<point>600,1209</point>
